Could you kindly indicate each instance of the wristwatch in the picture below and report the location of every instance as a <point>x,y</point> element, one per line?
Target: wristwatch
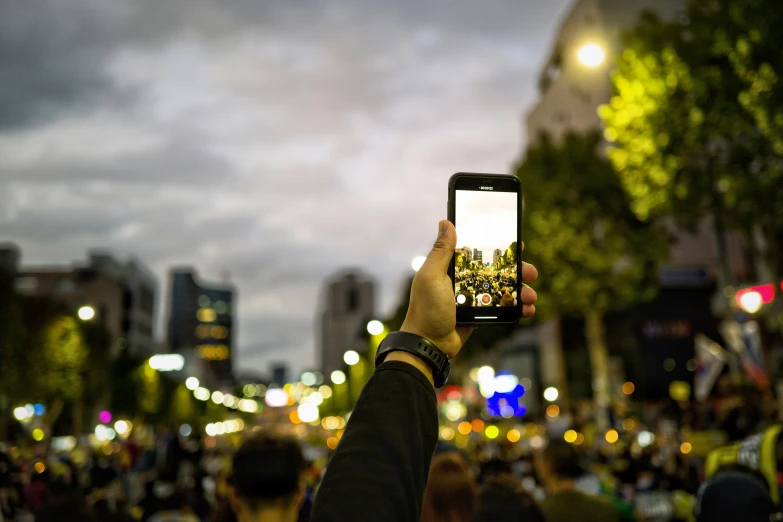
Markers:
<point>420,347</point>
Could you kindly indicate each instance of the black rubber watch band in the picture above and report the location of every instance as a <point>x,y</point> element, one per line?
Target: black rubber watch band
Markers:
<point>420,347</point>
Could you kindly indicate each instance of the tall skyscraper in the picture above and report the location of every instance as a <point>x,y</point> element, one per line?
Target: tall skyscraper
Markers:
<point>348,305</point>
<point>477,257</point>
<point>122,295</point>
<point>496,255</point>
<point>201,324</point>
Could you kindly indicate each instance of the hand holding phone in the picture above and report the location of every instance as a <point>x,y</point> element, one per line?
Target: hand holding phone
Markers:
<point>486,269</point>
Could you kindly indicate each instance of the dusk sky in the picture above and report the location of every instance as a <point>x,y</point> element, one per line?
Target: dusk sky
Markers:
<point>485,220</point>
<point>273,141</point>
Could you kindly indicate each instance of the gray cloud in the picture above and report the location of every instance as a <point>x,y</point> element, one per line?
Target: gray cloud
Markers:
<point>276,141</point>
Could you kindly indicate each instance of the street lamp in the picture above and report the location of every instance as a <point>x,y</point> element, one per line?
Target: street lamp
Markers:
<point>375,327</point>
<point>417,263</point>
<point>351,358</point>
<point>338,377</point>
<point>86,313</point>
<point>591,55</point>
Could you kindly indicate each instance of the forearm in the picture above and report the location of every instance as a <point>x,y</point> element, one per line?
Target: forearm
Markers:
<point>379,470</point>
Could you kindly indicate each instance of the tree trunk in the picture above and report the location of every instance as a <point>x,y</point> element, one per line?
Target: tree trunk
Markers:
<point>78,416</point>
<point>599,361</point>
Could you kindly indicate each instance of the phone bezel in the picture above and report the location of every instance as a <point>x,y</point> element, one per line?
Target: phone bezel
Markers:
<point>478,316</point>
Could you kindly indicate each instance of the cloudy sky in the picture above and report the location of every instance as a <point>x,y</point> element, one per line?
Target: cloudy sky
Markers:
<point>274,141</point>
<point>486,220</point>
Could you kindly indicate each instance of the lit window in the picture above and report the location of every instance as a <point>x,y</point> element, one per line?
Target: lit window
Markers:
<point>206,315</point>
<point>202,331</point>
<point>219,332</point>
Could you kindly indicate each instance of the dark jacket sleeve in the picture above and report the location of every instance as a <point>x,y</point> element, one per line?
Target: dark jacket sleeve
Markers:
<point>379,470</point>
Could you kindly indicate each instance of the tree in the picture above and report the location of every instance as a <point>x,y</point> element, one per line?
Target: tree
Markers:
<point>682,144</point>
<point>752,41</point>
<point>60,368</point>
<point>593,253</point>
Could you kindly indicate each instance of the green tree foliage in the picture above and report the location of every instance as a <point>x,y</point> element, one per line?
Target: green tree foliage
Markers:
<point>61,367</point>
<point>590,249</point>
<point>683,145</point>
<point>752,39</point>
<point>592,252</point>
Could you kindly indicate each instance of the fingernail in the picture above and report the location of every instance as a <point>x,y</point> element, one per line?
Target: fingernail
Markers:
<point>441,228</point>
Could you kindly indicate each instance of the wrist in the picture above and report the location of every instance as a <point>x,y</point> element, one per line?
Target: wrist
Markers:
<point>417,362</point>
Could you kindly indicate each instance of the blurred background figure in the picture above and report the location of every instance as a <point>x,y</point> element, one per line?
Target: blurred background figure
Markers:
<point>558,466</point>
<point>451,490</point>
<point>267,480</point>
<point>503,498</point>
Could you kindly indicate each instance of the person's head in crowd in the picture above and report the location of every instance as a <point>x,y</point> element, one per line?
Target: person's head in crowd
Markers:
<point>502,498</point>
<point>495,468</point>
<point>451,490</point>
<point>267,479</point>
<point>558,466</point>
<point>729,496</point>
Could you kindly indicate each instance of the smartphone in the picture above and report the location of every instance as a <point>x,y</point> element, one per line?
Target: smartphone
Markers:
<point>486,210</point>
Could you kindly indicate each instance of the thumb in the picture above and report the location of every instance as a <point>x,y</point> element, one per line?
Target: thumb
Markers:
<point>439,258</point>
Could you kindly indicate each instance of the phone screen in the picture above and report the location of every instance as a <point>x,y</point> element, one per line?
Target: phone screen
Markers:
<point>485,262</point>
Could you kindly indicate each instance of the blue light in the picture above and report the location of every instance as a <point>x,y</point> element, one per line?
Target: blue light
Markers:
<point>496,403</point>
<point>39,409</point>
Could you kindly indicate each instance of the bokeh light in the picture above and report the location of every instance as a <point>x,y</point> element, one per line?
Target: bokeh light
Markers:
<point>686,448</point>
<point>491,432</point>
<point>513,435</point>
<point>375,327</point>
<point>446,433</point>
<point>351,358</point>
<point>338,377</point>
<point>552,411</point>
<point>38,434</point>
<point>464,427</point>
<point>570,436</point>
<point>191,383</point>
<point>628,388</point>
<point>551,394</point>
<point>612,436</point>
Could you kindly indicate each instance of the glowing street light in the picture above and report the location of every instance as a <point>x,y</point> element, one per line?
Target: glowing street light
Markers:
<point>418,262</point>
<point>375,327</point>
<point>338,377</point>
<point>86,313</point>
<point>351,358</point>
<point>591,55</point>
<point>167,362</point>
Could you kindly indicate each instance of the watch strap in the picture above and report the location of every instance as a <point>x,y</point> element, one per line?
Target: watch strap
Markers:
<point>420,347</point>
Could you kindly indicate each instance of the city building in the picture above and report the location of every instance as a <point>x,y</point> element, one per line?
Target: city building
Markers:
<point>122,296</point>
<point>575,79</point>
<point>496,255</point>
<point>466,254</point>
<point>348,304</point>
<point>477,257</point>
<point>574,82</point>
<point>201,325</point>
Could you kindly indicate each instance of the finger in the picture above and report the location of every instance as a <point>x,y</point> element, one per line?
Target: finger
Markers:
<point>529,296</point>
<point>464,333</point>
<point>522,246</point>
<point>528,310</point>
<point>439,258</point>
<point>529,272</point>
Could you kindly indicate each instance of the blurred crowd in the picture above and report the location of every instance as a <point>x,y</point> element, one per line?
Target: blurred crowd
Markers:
<point>643,475</point>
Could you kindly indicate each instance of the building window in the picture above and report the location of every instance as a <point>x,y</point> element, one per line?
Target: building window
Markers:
<point>26,284</point>
<point>66,287</point>
<point>353,300</point>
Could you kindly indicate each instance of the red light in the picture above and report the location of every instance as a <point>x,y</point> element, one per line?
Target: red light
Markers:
<point>767,292</point>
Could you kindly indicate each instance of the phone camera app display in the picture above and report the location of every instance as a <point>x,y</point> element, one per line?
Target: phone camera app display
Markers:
<point>485,267</point>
